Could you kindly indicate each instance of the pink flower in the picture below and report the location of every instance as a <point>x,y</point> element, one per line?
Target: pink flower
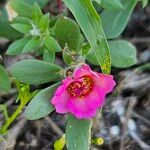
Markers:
<point>82,94</point>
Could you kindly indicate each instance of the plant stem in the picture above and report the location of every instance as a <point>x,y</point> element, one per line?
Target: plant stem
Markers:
<point>4,128</point>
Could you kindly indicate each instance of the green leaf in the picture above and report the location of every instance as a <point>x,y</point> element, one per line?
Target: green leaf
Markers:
<point>44,22</point>
<point>35,71</point>
<point>21,7</point>
<point>67,58</point>
<point>92,58</point>
<point>16,47</point>
<point>91,26</point>
<point>111,4</point>
<point>114,22</point>
<point>40,105</point>
<point>144,3</point>
<point>22,20</point>
<point>51,44</point>
<point>98,1</point>
<point>22,28</point>
<point>78,133</point>
<point>48,56</point>
<point>4,80</point>
<point>9,32</point>
<point>67,31</point>
<point>123,54</point>
<point>3,15</point>
<point>42,3</point>
<point>32,45</point>
<point>36,13</point>
<point>85,50</point>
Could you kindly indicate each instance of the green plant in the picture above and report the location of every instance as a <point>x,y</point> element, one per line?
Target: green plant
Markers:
<point>40,34</point>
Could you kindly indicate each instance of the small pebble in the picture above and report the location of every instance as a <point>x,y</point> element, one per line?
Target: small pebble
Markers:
<point>114,130</point>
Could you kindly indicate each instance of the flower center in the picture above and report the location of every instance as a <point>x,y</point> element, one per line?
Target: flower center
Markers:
<point>80,89</point>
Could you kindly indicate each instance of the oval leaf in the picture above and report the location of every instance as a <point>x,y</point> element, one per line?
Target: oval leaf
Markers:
<point>69,33</point>
<point>40,105</point>
<point>22,28</point>
<point>21,7</point>
<point>119,19</point>
<point>51,44</point>
<point>36,13</point>
<point>67,58</point>
<point>35,71</point>
<point>22,20</point>
<point>123,54</point>
<point>78,133</point>
<point>44,22</point>
<point>8,31</point>
<point>32,45</point>
<point>48,56</point>
<point>16,47</point>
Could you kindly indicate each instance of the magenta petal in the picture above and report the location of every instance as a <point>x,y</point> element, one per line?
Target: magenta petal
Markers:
<point>82,71</point>
<point>80,109</point>
<point>83,94</point>
<point>88,115</point>
<point>63,86</point>
<point>61,102</point>
<point>96,98</point>
<point>105,82</point>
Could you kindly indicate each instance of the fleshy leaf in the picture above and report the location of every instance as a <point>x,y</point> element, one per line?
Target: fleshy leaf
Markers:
<point>78,133</point>
<point>9,32</point>
<point>51,44</point>
<point>16,47</point>
<point>32,45</point>
<point>22,20</point>
<point>48,55</point>
<point>67,32</point>
<point>123,54</point>
<point>67,58</point>
<point>36,13</point>
<point>21,7</point>
<point>44,22</point>
<point>22,28</point>
<point>40,105</point>
<point>114,22</point>
<point>35,71</point>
